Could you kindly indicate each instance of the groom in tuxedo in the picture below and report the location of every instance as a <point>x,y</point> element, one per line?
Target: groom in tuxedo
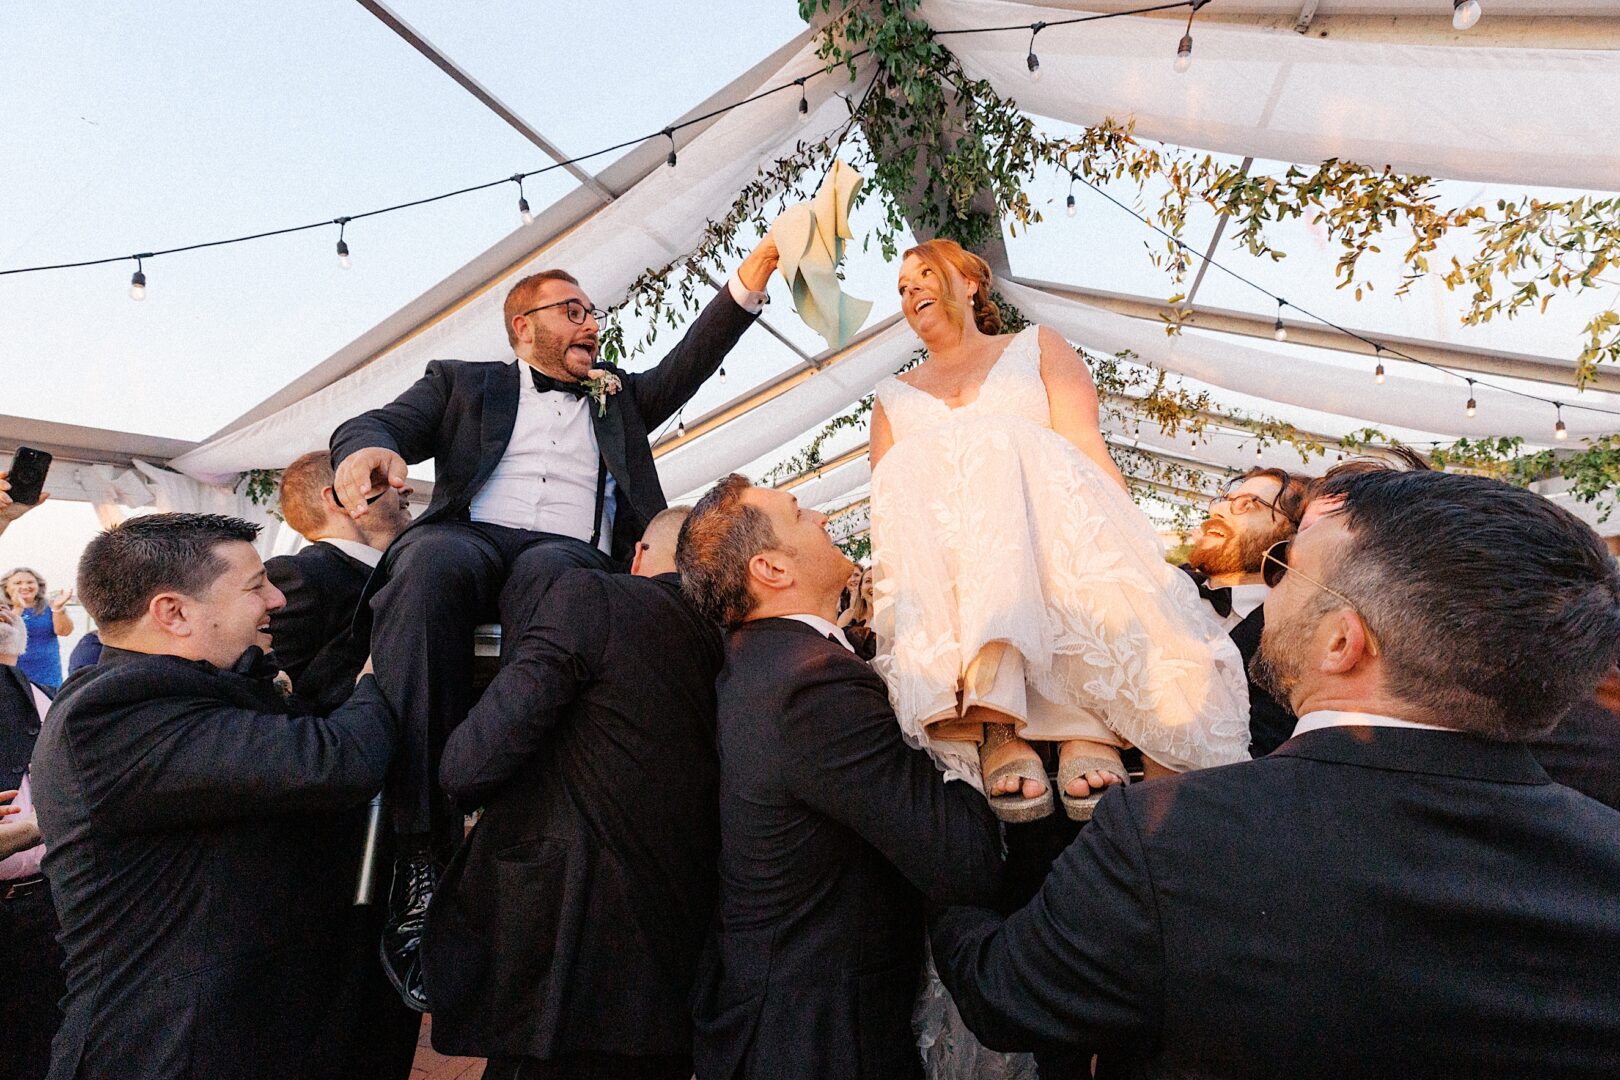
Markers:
<point>542,464</point>
<point>833,832</point>
<point>1399,889</point>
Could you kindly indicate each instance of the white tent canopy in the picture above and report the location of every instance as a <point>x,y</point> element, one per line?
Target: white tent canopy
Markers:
<point>1387,87</point>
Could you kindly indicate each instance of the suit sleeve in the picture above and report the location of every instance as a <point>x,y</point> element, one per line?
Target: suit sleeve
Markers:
<point>1081,964</point>
<point>202,761</point>
<point>296,630</point>
<point>846,758</point>
<point>556,655</point>
<point>678,376</point>
<point>408,425</point>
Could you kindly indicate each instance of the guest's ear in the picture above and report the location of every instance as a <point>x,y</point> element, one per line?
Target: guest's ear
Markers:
<point>1348,643</point>
<point>635,563</point>
<point>329,501</point>
<point>770,571</point>
<point>168,610</point>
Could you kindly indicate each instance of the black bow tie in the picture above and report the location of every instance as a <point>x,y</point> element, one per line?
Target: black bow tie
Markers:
<point>1219,599</point>
<point>544,382</point>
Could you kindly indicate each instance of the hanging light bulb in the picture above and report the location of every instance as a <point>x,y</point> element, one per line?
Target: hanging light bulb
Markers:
<point>1033,61</point>
<point>680,429</point>
<point>523,211</point>
<point>669,133</point>
<point>1560,432</point>
<point>1257,448</point>
<point>722,376</point>
<point>1472,407</point>
<point>1464,14</point>
<point>137,281</point>
<point>804,103</point>
<point>1069,205</point>
<point>1184,53</point>
<point>1280,332</point>
<point>342,245</point>
<point>1378,372</point>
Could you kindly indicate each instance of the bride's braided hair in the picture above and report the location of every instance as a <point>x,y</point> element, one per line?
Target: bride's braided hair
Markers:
<point>937,255</point>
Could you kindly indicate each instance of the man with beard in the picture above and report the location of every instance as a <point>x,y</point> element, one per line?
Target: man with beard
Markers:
<point>541,464</point>
<point>1400,890</point>
<point>1261,508</point>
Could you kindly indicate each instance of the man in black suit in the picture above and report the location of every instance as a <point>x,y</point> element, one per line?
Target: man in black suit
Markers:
<point>314,633</point>
<point>541,464</point>
<point>196,820</point>
<point>1399,890</point>
<point>30,958</point>
<point>1260,508</point>
<point>833,831</point>
<point>563,939</point>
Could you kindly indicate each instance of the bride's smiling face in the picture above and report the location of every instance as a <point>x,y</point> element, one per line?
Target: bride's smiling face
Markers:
<point>932,304</point>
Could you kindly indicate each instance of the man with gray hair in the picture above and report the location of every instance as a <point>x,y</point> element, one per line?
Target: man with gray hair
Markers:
<point>1399,889</point>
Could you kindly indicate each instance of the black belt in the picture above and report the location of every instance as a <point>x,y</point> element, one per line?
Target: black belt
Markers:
<point>21,887</point>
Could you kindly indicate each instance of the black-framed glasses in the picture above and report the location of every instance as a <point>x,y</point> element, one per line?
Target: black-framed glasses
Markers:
<point>1244,501</point>
<point>1274,567</point>
<point>576,311</point>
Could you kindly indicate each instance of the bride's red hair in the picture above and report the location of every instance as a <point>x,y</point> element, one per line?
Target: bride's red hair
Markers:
<point>937,255</point>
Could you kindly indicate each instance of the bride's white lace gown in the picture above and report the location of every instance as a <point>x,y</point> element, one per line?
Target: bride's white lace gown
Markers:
<point>988,526</point>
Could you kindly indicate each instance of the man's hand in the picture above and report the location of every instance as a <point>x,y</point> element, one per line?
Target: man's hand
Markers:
<point>18,831</point>
<point>366,474</point>
<point>756,270</point>
<point>10,510</point>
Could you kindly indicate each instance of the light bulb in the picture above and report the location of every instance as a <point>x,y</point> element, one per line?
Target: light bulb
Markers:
<point>1280,333</point>
<point>523,211</point>
<point>680,429</point>
<point>343,254</point>
<point>804,108</point>
<point>722,375</point>
<point>1257,449</point>
<point>1069,206</point>
<point>137,285</point>
<point>1184,53</point>
<point>1464,14</point>
<point>1560,432</point>
<point>1378,375</point>
<point>1034,63</point>
<point>1472,408</point>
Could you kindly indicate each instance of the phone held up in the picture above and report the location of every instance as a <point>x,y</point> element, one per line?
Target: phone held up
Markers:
<point>27,475</point>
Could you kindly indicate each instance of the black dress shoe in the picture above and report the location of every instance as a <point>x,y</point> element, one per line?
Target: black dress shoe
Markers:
<point>401,947</point>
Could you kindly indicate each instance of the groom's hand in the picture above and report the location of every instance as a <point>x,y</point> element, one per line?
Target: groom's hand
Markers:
<point>756,270</point>
<point>365,474</point>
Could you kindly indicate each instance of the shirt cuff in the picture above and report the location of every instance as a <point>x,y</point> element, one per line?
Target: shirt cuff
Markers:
<point>747,299</point>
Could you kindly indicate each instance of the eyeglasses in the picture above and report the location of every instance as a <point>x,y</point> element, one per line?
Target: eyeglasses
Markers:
<point>576,311</point>
<point>1274,567</point>
<point>1243,501</point>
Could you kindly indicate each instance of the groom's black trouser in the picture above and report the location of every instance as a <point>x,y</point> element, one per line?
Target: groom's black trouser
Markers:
<point>444,578</point>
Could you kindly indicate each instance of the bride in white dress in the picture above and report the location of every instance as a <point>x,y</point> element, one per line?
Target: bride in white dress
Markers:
<point>1020,594</point>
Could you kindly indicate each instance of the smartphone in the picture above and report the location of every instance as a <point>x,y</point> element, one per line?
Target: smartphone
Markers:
<point>27,475</point>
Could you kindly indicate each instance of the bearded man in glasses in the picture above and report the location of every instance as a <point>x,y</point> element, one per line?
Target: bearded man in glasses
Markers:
<point>1261,508</point>
<point>1399,890</point>
<point>542,464</point>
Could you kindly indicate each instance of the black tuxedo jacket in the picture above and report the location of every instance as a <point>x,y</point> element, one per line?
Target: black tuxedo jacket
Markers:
<point>1432,906</point>
<point>571,919</point>
<point>202,863</point>
<point>19,725</point>
<point>1271,722</point>
<point>314,638</point>
<point>833,831</point>
<point>461,415</point>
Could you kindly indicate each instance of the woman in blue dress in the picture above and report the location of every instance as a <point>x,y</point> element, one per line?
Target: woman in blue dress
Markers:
<point>46,618</point>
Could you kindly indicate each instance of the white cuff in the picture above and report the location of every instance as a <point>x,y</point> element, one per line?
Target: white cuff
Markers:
<point>747,299</point>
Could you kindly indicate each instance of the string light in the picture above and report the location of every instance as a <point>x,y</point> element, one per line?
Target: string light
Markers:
<point>523,203</point>
<point>1472,407</point>
<point>1032,60</point>
<point>1068,205</point>
<point>722,376</point>
<point>680,428</point>
<point>342,245</point>
<point>1184,50</point>
<point>1257,448</point>
<point>1464,14</point>
<point>1560,432</point>
<point>1378,372</point>
<point>669,133</point>
<point>137,281</point>
<point>1280,332</point>
<point>804,102</point>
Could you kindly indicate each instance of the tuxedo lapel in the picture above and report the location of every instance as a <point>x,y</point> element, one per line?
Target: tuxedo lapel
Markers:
<point>499,404</point>
<point>608,423</point>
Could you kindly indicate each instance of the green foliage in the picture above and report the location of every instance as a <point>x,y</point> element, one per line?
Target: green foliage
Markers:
<point>262,487</point>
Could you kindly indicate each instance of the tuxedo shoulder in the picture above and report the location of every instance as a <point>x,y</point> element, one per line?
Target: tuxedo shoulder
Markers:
<point>135,680</point>
<point>459,367</point>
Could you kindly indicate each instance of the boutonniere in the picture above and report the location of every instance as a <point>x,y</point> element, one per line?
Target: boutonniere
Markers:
<point>599,384</point>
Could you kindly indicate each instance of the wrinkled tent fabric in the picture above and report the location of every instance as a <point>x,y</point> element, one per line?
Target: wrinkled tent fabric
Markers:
<point>1486,114</point>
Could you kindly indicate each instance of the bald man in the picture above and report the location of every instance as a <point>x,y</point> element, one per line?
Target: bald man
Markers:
<point>592,755</point>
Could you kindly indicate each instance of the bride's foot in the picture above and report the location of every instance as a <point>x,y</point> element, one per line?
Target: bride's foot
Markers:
<point>1085,770</point>
<point>1014,778</point>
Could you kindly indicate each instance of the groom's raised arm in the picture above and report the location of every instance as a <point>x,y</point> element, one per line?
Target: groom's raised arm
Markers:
<point>664,389</point>
<point>846,758</point>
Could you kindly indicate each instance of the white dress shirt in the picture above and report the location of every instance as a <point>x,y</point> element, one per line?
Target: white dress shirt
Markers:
<point>354,549</point>
<point>825,628</point>
<point>546,479</point>
<point>1326,718</point>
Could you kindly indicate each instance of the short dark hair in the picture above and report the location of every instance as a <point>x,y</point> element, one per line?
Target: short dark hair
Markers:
<point>520,297</point>
<point>301,485</point>
<point>124,567</point>
<point>1292,495</point>
<point>1401,459</point>
<point>718,538</point>
<point>1496,610</point>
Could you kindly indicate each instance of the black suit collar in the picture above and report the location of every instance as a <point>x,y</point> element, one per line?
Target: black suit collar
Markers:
<point>499,404</point>
<point>1416,750</point>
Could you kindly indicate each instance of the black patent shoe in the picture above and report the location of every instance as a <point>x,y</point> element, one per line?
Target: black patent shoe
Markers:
<point>401,946</point>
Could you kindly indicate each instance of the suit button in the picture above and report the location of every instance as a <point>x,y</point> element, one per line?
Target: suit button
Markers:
<point>34,730</point>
